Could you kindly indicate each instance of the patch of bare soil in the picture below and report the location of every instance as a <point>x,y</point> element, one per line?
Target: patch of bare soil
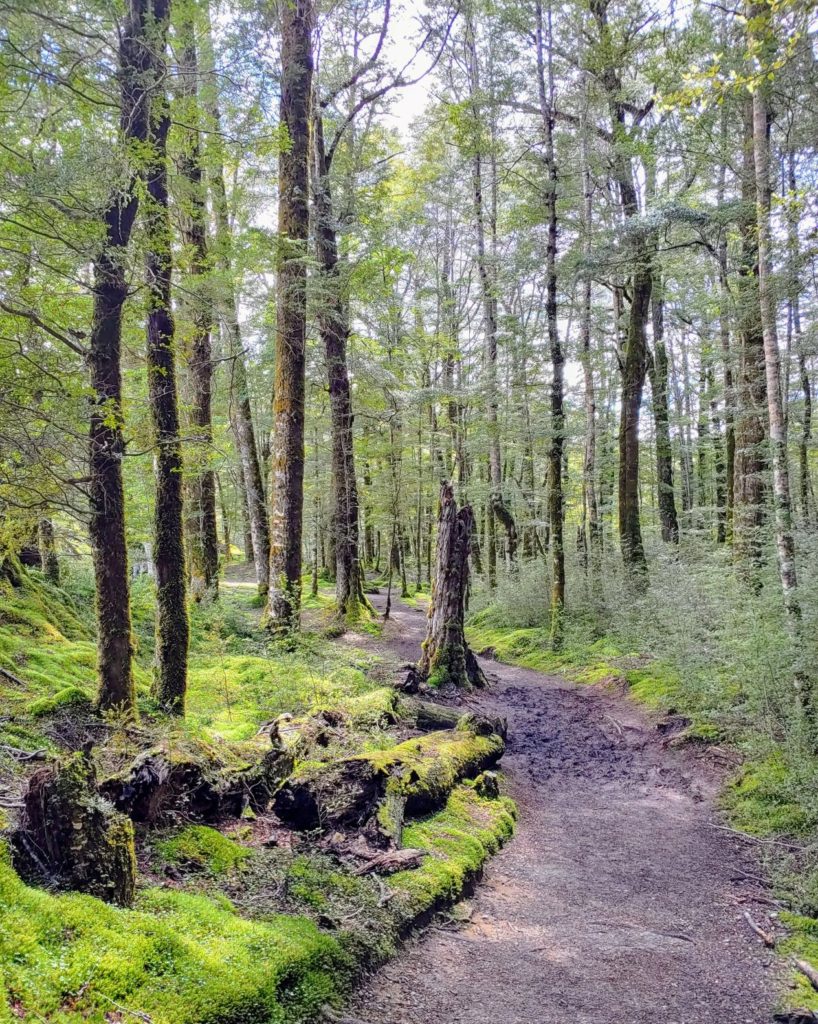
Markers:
<point>619,901</point>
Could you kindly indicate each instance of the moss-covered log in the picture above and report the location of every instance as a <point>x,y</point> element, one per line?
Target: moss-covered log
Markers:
<point>160,784</point>
<point>356,790</point>
<point>73,835</point>
<point>447,659</point>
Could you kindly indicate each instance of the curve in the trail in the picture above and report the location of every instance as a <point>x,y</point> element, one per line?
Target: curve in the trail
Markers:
<point>617,902</point>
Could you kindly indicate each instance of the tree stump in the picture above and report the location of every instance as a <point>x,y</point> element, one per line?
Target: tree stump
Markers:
<point>73,835</point>
<point>447,659</point>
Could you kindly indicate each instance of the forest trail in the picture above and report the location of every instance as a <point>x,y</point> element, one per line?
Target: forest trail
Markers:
<point>617,902</point>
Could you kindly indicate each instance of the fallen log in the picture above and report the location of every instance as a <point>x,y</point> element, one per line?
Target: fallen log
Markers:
<point>352,791</point>
<point>159,784</point>
<point>430,716</point>
<point>809,972</point>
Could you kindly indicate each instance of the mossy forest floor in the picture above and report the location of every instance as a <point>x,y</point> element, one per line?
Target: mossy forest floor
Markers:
<point>247,922</point>
<point>622,898</point>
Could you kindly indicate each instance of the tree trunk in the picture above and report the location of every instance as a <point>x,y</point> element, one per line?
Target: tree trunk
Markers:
<point>556,501</point>
<point>634,358</point>
<point>785,543</point>
<point>487,270</point>
<point>107,443</point>
<point>668,519</point>
<point>287,485</point>
<point>751,459</point>
<point>593,531</point>
<point>48,554</point>
<point>202,529</point>
<point>333,323</point>
<point>172,631</point>
<point>241,413</point>
<point>447,659</point>
<point>804,481</point>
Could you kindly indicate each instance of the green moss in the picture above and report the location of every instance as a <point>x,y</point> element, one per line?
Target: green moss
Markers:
<point>459,839</point>
<point>70,697</point>
<point>801,943</point>
<point>205,849</point>
<point>766,798</point>
<point>178,958</point>
<point>651,681</point>
<point>431,765</point>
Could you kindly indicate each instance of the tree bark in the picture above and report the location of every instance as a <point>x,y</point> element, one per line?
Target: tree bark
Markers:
<point>169,553</point>
<point>241,413</point>
<point>487,271</point>
<point>658,370</point>
<point>634,357</point>
<point>287,485</point>
<point>48,554</point>
<point>556,450</point>
<point>107,443</point>
<point>592,534</point>
<point>202,529</point>
<point>751,460</point>
<point>447,659</point>
<point>333,323</point>
<point>785,543</point>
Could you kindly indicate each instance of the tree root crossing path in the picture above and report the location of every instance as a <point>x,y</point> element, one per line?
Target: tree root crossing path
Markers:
<point>620,900</point>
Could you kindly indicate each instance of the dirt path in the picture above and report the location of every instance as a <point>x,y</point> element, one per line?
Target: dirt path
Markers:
<point>616,901</point>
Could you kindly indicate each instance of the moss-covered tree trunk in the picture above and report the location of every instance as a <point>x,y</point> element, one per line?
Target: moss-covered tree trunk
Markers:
<point>668,518</point>
<point>751,460</point>
<point>168,540</point>
<point>202,528</point>
<point>287,485</point>
<point>48,553</point>
<point>107,442</point>
<point>333,323</point>
<point>447,659</point>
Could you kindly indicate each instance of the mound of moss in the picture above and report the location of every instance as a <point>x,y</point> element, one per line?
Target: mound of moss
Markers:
<point>204,849</point>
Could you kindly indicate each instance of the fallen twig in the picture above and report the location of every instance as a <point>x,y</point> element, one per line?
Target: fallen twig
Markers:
<point>392,860</point>
<point>766,937</point>
<point>12,678</point>
<point>761,840</point>
<point>24,755</point>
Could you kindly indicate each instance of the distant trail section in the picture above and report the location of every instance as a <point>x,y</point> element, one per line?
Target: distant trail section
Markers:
<point>617,902</point>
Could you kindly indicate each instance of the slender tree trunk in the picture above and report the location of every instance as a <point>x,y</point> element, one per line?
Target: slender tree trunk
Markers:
<point>287,486</point>
<point>487,271</point>
<point>556,502</point>
<point>48,553</point>
<point>107,443</point>
<point>241,416</point>
<point>333,323</point>
<point>593,534</point>
<point>668,519</point>
<point>172,631</point>
<point>202,529</point>
<point>804,481</point>
<point>785,543</point>
<point>634,358</point>
<point>751,460</point>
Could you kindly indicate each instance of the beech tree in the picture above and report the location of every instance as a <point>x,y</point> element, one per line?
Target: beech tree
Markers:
<point>287,483</point>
